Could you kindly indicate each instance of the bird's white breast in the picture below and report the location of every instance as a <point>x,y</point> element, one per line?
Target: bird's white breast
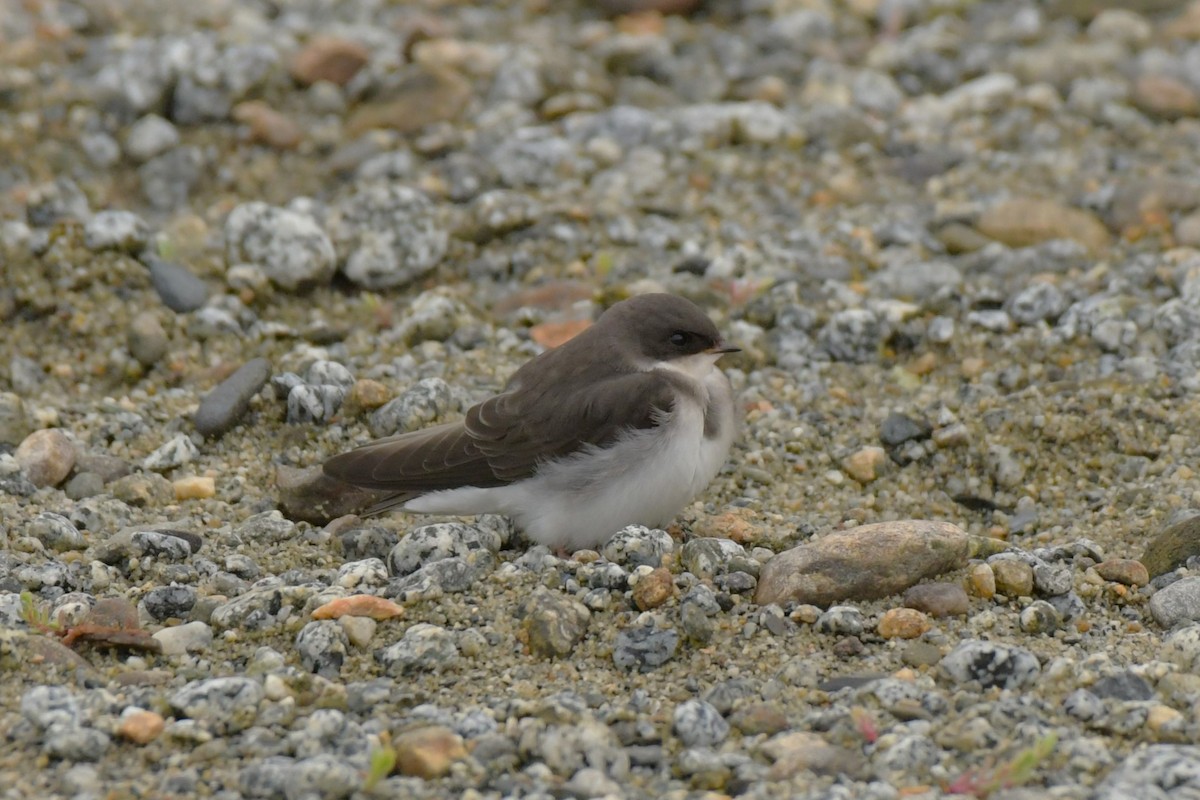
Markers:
<point>646,477</point>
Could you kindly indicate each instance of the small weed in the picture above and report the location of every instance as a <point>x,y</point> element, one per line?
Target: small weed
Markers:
<point>166,248</point>
<point>383,761</point>
<point>36,616</point>
<point>1015,772</point>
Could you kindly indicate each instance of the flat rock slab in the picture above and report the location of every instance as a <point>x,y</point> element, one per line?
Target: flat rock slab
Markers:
<point>1173,546</point>
<point>867,562</point>
<point>309,495</point>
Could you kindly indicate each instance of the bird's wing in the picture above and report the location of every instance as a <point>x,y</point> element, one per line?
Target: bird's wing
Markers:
<point>419,461</point>
<point>505,438</point>
<point>516,431</point>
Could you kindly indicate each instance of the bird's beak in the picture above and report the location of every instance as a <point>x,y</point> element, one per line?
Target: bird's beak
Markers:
<point>721,347</point>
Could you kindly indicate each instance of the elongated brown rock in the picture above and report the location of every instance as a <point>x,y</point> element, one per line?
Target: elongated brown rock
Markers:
<point>312,496</point>
<point>868,562</point>
<point>1174,545</point>
<point>422,98</point>
<point>221,408</point>
<point>1025,221</point>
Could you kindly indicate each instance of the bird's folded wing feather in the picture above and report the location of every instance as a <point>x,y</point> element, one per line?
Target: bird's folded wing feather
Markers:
<point>505,438</point>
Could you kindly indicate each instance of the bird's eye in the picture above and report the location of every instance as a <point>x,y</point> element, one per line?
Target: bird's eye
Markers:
<point>679,338</point>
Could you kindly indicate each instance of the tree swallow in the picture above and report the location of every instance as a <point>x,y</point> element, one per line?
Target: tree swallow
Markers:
<point>623,424</point>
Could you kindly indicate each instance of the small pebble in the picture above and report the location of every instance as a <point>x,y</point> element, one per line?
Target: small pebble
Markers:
<point>1125,571</point>
<point>428,752</point>
<point>195,487</point>
<point>176,452</point>
<point>758,718</point>
<point>645,647</point>
<point>806,613</point>
<point>982,581</point>
<point>140,726</point>
<point>921,654</point>
<point>225,705</point>
<point>1052,579</point>
<point>899,428</point>
<point>177,287</point>
<point>167,602</point>
<point>553,624</point>
<point>308,404</point>
<point>654,589</point>
<point>46,456</point>
<point>842,620</point>
<point>56,532</point>
<point>708,556</point>
<point>15,423</point>
<point>143,490</point>
<point>323,647</point>
<point>863,563</point>
<point>190,637</point>
<point>147,341</point>
<point>115,230</point>
<point>698,724</point>
<point>637,545</point>
<point>903,623</point>
<point>938,599</point>
<point>423,648</point>
<point>1040,617</point>
<point>366,395</point>
<point>359,630</point>
<point>328,58</point>
<point>1166,723</point>
<point>1013,578</point>
<point>291,248</point>
<point>150,136</point>
<point>736,524</point>
<point>267,125</point>
<point>865,465</point>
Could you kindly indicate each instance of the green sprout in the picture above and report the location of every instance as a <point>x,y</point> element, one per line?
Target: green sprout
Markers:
<point>1015,772</point>
<point>36,616</point>
<point>383,761</point>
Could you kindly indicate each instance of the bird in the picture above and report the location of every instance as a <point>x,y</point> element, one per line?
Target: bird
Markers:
<point>624,424</point>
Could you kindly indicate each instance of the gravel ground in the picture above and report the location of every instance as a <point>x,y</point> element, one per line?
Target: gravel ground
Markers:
<point>958,242</point>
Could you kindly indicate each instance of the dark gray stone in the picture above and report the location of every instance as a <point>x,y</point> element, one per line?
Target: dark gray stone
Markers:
<point>898,428</point>
<point>221,408</point>
<point>1123,686</point>
<point>645,647</point>
<point>165,602</point>
<point>177,287</point>
<point>83,484</point>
